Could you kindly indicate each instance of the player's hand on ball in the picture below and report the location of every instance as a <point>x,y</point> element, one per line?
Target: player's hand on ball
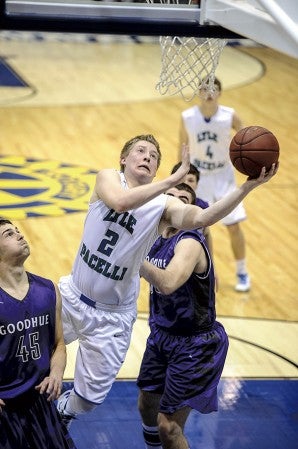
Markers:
<point>265,176</point>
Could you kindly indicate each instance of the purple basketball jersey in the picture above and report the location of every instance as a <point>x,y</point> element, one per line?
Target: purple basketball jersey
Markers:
<point>27,337</point>
<point>191,308</point>
<point>201,203</point>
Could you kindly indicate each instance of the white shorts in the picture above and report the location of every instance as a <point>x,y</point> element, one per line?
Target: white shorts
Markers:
<point>213,187</point>
<point>103,338</point>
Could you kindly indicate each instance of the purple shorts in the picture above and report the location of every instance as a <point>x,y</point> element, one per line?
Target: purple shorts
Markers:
<point>32,422</point>
<point>184,370</point>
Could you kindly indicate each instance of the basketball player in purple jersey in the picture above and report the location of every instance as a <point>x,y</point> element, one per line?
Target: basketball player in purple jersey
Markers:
<point>187,347</point>
<point>33,353</point>
<point>127,212</point>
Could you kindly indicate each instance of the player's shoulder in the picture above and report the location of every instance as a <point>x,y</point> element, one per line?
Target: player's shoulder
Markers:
<point>191,239</point>
<point>107,173</point>
<point>190,111</point>
<point>193,234</point>
<point>41,281</point>
<point>226,109</point>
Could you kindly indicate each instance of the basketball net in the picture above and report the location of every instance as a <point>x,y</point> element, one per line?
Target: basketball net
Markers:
<point>188,64</point>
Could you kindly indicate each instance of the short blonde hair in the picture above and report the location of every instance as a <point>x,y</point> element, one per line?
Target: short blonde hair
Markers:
<point>130,143</point>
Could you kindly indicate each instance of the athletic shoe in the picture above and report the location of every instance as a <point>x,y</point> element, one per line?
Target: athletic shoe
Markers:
<point>243,283</point>
<point>61,404</point>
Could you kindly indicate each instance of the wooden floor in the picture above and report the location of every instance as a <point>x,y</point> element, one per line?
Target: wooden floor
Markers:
<point>83,100</point>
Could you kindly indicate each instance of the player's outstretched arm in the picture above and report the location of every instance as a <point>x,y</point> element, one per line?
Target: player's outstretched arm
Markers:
<point>184,216</point>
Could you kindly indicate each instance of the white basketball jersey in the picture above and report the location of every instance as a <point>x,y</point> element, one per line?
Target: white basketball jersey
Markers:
<point>114,245</point>
<point>209,139</point>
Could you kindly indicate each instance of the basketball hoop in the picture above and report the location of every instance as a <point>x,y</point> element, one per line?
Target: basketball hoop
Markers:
<point>188,64</point>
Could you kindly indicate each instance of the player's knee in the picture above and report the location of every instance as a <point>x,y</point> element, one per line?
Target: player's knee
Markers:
<point>233,227</point>
<point>235,230</point>
<point>146,406</point>
<point>141,403</point>
<point>169,430</point>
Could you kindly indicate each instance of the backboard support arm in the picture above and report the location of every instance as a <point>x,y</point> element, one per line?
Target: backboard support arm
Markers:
<point>263,21</point>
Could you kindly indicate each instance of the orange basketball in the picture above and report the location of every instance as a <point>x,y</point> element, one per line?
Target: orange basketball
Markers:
<point>252,148</point>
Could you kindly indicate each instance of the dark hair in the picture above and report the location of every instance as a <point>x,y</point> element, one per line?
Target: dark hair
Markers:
<point>187,188</point>
<point>4,221</point>
<point>130,143</point>
<point>216,82</point>
<point>192,170</point>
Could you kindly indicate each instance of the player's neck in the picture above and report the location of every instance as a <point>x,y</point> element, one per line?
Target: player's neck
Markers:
<point>208,109</point>
<point>14,281</point>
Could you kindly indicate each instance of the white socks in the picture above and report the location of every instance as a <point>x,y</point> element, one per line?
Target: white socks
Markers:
<point>241,266</point>
<point>151,437</point>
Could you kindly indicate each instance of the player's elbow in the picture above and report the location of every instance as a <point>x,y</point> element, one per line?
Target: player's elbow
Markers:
<point>165,289</point>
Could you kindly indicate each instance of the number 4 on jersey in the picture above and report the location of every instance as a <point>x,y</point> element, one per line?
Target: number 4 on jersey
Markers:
<point>209,153</point>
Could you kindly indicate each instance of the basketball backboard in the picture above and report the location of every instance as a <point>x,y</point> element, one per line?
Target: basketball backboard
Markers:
<point>271,23</point>
<point>108,17</point>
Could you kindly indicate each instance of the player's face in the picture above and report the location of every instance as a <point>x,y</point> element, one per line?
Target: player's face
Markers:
<point>141,161</point>
<point>191,180</point>
<point>182,195</point>
<point>12,243</point>
<point>206,95</point>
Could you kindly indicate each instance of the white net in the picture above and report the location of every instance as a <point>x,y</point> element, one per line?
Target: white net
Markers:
<point>188,65</point>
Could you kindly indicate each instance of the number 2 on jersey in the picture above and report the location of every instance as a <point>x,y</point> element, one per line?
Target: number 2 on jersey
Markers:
<point>107,245</point>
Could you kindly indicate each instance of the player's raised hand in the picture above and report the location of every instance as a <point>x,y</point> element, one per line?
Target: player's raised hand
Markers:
<point>185,158</point>
<point>183,170</point>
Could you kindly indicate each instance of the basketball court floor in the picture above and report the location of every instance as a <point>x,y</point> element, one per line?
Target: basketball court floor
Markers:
<point>64,96</point>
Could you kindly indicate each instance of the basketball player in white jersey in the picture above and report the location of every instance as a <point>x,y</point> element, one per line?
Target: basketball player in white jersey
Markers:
<point>206,128</point>
<point>127,213</point>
